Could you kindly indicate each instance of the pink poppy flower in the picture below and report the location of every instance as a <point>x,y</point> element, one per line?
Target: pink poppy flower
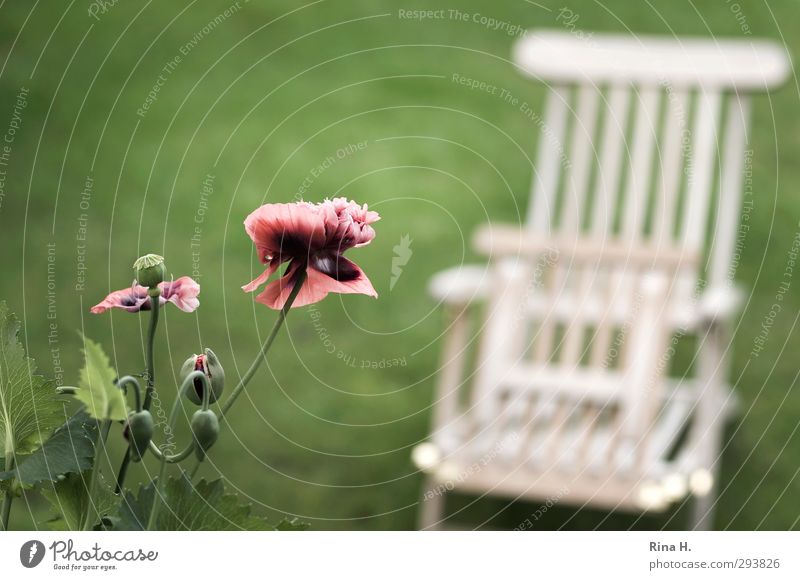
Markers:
<point>314,237</point>
<point>181,292</point>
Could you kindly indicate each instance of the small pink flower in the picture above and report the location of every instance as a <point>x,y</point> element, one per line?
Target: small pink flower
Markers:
<point>181,292</point>
<point>314,237</point>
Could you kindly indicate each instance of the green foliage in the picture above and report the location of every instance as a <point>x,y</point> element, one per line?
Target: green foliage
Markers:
<point>29,409</point>
<point>69,450</point>
<point>292,525</point>
<point>203,506</point>
<point>70,499</point>
<point>98,389</point>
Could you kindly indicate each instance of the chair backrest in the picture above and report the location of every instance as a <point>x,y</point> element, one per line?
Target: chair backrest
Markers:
<point>657,127</point>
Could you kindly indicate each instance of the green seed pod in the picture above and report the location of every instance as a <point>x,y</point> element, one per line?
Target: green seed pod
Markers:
<point>208,363</point>
<point>150,270</point>
<point>139,431</point>
<point>205,430</point>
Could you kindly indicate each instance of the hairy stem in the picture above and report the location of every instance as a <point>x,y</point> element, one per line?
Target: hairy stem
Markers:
<point>98,447</point>
<point>8,496</point>
<point>301,278</point>
<point>151,385</point>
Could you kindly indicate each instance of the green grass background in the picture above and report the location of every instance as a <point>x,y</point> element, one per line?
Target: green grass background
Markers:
<point>264,98</point>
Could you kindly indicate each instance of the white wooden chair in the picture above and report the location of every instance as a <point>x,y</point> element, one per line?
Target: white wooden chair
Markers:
<point>555,382</point>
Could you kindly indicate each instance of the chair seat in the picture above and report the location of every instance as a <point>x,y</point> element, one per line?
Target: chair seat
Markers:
<point>500,461</point>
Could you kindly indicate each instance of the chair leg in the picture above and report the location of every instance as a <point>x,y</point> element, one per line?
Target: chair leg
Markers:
<point>431,510</point>
<point>702,517</point>
<point>710,420</point>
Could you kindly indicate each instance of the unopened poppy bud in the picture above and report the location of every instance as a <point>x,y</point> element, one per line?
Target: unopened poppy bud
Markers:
<point>150,270</point>
<point>208,364</point>
<point>205,430</point>
<point>138,432</point>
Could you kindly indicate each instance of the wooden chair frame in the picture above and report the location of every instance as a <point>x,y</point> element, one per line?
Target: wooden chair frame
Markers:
<point>538,408</point>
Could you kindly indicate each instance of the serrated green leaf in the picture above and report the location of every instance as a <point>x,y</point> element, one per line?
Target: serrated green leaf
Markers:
<point>29,409</point>
<point>203,506</point>
<point>69,499</point>
<point>70,449</point>
<point>98,390</point>
<point>292,525</point>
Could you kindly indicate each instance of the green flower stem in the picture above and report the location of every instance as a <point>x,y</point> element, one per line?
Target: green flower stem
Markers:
<point>9,494</point>
<point>98,447</point>
<point>151,335</point>
<point>193,472</point>
<point>301,278</point>
<point>123,471</point>
<point>188,382</point>
<point>177,458</point>
<point>151,381</point>
<point>137,390</point>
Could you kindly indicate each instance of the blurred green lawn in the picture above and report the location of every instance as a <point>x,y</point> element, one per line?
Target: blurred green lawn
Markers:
<point>259,102</point>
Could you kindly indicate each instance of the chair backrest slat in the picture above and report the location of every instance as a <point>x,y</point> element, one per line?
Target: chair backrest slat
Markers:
<point>730,196</point>
<point>701,169</point>
<point>671,166</point>
<point>581,157</point>
<point>639,172</point>
<point>612,149</point>
<point>547,172</point>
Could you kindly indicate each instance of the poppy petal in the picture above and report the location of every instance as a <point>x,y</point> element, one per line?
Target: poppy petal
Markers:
<point>277,292</point>
<point>132,299</point>
<point>181,292</point>
<point>348,278</point>
<point>285,231</point>
<point>261,278</point>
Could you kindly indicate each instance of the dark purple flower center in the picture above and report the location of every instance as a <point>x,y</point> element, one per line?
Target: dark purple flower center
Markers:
<point>129,300</point>
<point>335,266</point>
<point>291,246</point>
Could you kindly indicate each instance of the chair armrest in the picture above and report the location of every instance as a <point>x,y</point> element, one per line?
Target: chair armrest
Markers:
<point>720,303</point>
<point>470,283</point>
<point>460,285</point>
